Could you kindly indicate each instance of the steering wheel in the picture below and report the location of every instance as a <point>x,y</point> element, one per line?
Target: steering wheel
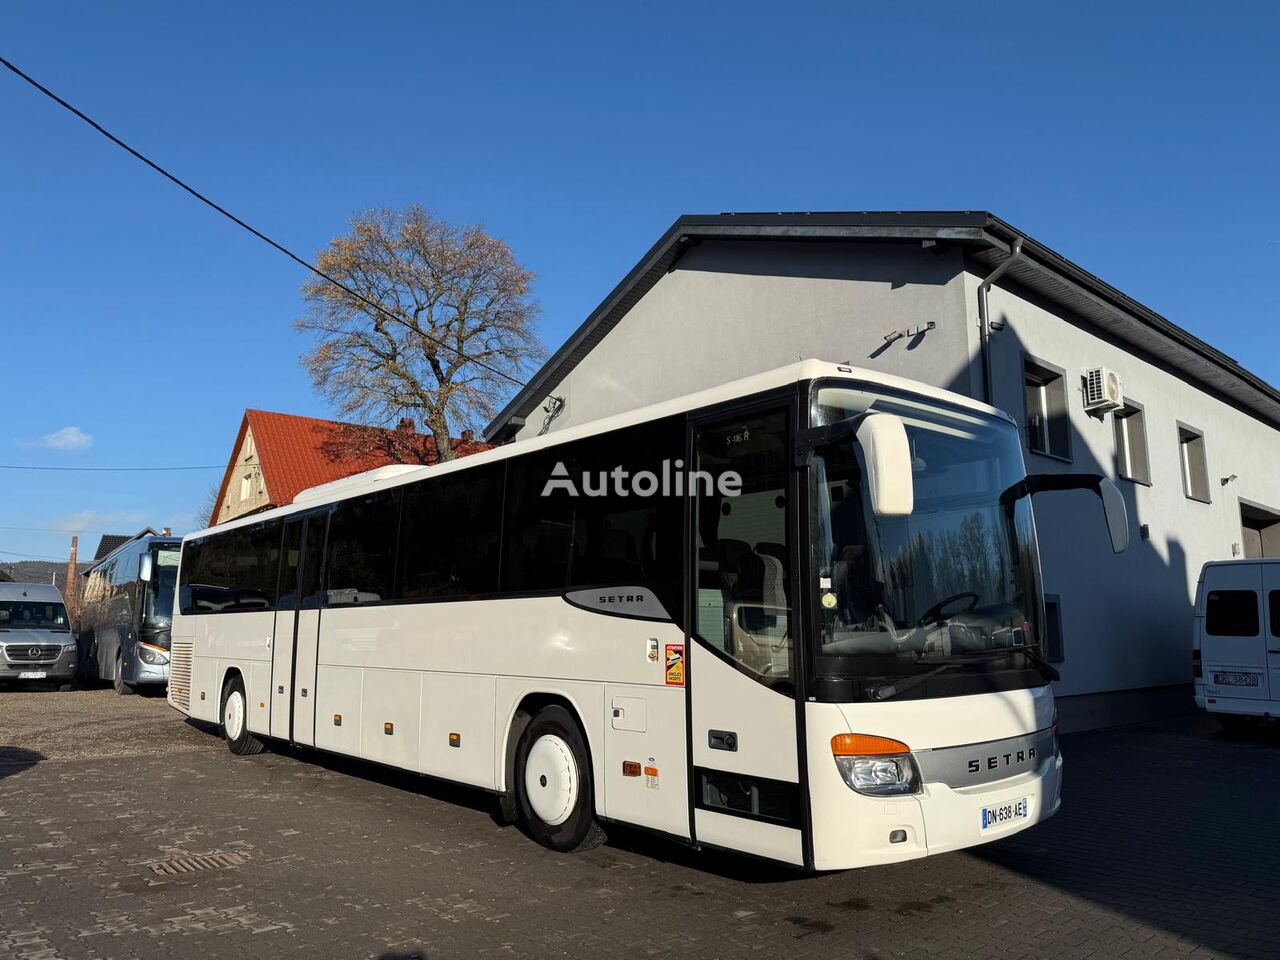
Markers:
<point>934,612</point>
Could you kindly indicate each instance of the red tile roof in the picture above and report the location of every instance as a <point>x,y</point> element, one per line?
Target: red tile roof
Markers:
<point>300,452</point>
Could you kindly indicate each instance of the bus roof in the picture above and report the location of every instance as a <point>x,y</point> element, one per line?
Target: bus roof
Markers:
<point>395,474</point>
<point>144,537</point>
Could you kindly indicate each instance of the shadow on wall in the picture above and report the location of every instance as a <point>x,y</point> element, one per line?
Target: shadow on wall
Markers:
<point>14,760</point>
<point>1126,619</point>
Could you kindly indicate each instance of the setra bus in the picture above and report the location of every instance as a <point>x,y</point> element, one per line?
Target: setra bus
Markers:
<point>798,616</point>
<point>122,630</point>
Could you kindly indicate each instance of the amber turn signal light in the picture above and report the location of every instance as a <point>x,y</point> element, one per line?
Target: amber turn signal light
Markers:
<point>865,745</point>
<point>630,768</point>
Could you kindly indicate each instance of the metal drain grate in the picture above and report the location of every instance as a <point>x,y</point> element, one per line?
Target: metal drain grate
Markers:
<point>192,864</point>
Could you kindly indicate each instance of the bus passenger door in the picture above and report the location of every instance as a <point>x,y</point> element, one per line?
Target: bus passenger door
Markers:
<point>747,788</point>
<point>293,657</point>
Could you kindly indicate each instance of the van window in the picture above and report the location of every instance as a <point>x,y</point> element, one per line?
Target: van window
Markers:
<point>1274,603</point>
<point>1231,613</point>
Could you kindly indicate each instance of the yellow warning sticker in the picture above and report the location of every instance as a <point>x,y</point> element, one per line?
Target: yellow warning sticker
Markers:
<point>675,664</point>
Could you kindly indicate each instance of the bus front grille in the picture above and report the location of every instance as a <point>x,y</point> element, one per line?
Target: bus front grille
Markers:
<point>180,673</point>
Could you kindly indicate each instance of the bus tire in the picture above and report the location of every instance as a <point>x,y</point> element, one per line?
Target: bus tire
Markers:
<point>553,786</point>
<point>235,720</point>
<point>117,682</point>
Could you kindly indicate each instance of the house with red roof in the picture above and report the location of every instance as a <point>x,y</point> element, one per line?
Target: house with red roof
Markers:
<point>278,455</point>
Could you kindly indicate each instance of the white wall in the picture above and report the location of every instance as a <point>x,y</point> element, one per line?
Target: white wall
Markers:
<point>734,308</point>
<point>1127,620</point>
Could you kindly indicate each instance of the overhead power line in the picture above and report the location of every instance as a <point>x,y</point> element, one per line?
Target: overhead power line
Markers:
<point>253,230</point>
<point>19,466</point>
<point>33,556</point>
<point>64,530</point>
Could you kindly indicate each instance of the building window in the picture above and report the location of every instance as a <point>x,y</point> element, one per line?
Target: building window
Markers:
<point>1195,465</point>
<point>1045,391</point>
<point>1259,531</point>
<point>246,486</point>
<point>1131,443</point>
<point>1053,651</point>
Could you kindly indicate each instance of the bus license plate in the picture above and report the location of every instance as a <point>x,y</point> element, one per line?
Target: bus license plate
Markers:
<point>1236,679</point>
<point>32,675</point>
<point>1005,813</point>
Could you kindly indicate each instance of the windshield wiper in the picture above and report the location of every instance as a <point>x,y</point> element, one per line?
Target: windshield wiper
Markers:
<point>903,684</point>
<point>892,689</point>
<point>1047,668</point>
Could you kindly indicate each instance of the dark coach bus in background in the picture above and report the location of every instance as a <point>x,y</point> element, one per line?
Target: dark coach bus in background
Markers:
<point>123,629</point>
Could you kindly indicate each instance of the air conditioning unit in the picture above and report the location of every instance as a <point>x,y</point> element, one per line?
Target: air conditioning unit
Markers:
<point>1102,390</point>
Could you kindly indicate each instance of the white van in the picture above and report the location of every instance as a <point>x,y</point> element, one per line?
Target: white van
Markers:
<point>1236,646</point>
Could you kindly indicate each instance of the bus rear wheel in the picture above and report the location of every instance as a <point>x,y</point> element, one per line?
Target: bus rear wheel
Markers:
<point>235,721</point>
<point>553,783</point>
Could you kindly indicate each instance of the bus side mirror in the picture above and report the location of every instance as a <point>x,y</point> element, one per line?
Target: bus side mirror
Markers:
<point>887,456</point>
<point>1117,516</point>
<point>144,568</point>
<point>1113,508</point>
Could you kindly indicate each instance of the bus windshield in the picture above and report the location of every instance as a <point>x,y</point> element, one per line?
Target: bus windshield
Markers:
<point>158,606</point>
<point>955,582</point>
<point>32,615</point>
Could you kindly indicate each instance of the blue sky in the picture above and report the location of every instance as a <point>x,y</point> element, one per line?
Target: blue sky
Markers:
<point>1140,140</point>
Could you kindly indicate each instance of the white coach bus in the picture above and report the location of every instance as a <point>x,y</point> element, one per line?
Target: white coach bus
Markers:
<point>798,616</point>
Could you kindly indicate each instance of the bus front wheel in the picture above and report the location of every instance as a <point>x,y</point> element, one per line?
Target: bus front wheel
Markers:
<point>118,681</point>
<point>235,720</point>
<point>553,783</point>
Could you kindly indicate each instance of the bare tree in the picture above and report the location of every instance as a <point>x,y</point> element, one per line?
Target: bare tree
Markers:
<point>211,504</point>
<point>454,330</point>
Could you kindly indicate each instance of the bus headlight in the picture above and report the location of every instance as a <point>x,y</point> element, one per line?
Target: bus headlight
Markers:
<point>149,653</point>
<point>876,766</point>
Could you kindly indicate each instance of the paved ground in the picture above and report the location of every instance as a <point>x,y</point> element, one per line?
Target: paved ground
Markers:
<point>1168,845</point>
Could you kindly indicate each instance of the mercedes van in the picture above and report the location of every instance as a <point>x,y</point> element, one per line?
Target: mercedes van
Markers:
<point>1235,652</point>
<point>35,636</point>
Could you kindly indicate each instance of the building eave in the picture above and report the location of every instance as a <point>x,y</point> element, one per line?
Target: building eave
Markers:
<point>987,240</point>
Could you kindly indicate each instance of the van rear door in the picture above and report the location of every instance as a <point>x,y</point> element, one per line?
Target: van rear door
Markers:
<point>1233,649</point>
<point>1271,611</point>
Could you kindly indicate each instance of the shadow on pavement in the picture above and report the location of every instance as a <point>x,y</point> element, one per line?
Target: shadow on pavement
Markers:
<point>16,759</point>
<point>1166,823</point>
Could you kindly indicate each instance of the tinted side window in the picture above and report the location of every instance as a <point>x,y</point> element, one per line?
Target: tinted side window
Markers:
<point>1231,613</point>
<point>362,548</point>
<point>235,570</point>
<point>313,544</point>
<point>596,534</point>
<point>449,535</point>
<point>191,552</point>
<point>538,530</point>
<point>290,559</point>
<point>1273,601</point>
<point>125,568</point>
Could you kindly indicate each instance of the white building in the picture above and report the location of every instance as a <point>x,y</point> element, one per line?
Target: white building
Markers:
<point>1195,445</point>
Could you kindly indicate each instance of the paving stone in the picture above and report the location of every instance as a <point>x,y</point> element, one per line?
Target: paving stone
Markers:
<point>1160,850</point>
